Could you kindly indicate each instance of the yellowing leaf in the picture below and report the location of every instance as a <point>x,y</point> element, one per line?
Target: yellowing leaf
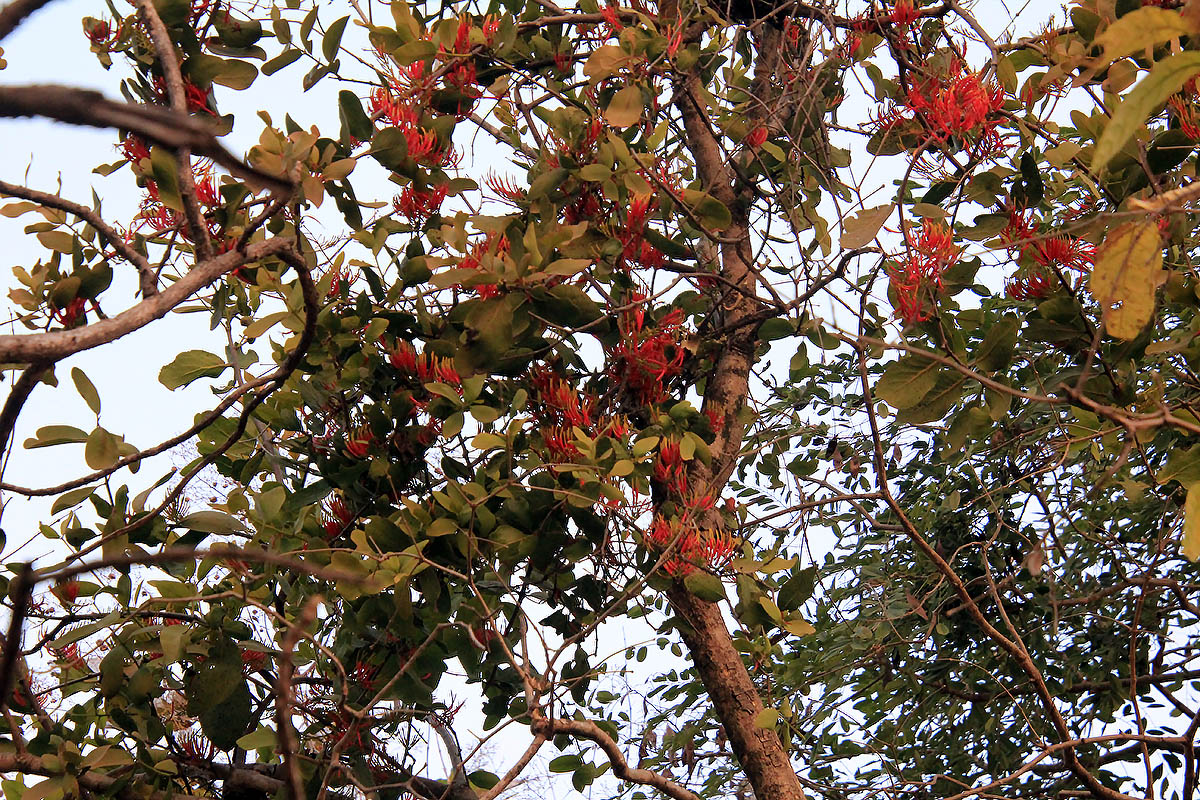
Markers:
<point>1126,276</point>
<point>1191,523</point>
<point>625,108</point>
<point>1139,29</point>
<point>858,230</point>
<point>1165,79</point>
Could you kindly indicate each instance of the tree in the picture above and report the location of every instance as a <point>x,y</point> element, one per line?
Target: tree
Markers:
<point>538,396</point>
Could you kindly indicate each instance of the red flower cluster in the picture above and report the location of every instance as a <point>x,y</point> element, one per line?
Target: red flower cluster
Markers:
<point>1186,112</point>
<point>425,366</point>
<point>418,205</point>
<point>920,269</point>
<point>669,469</point>
<point>755,138</point>
<point>561,403</point>
<point>903,13</point>
<point>422,143</point>
<point>635,249</point>
<point>197,98</point>
<point>706,549</point>
<point>253,660</point>
<point>102,33</point>
<point>648,357</point>
<point>69,314</point>
<point>337,516</point>
<point>359,441</point>
<point>493,244</point>
<point>1034,281</point>
<point>959,106</point>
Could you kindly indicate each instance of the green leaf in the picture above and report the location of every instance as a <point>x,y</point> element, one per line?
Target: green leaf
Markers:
<point>934,405</point>
<point>568,763</point>
<point>101,450</point>
<point>236,74</point>
<point>906,381</point>
<point>72,498</point>
<point>214,680</point>
<point>767,718</point>
<point>188,366</point>
<point>625,108</point>
<point>1140,29</point>
<point>776,328</point>
<point>1182,466</point>
<point>710,211</point>
<point>798,627</point>
<point>212,521</point>
<point>797,589</point>
<point>166,177</point>
<point>705,585</point>
<point>1165,79</point>
<point>489,328</point>
<point>224,722</point>
<point>86,389</point>
<point>998,346</point>
<point>333,38</point>
<point>858,230</point>
<point>355,121</point>
<point>286,58</point>
<point>390,147</point>
<point>259,739</point>
<point>50,435</point>
<point>1126,277</point>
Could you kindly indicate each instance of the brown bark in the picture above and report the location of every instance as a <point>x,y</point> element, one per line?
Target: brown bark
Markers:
<point>759,751</point>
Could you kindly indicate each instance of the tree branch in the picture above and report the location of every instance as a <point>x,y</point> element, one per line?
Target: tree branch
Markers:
<point>55,345</point>
<point>161,126</point>
<point>146,279</point>
<point>586,729</point>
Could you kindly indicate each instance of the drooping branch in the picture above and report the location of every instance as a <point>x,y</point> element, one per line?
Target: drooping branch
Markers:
<point>22,388</point>
<point>169,62</point>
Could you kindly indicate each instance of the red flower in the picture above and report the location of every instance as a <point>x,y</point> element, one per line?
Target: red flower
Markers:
<point>903,13</point>
<point>959,106</point>
<point>505,188</point>
<point>919,270</point>
<point>560,445</point>
<point>418,205</point>
<point>102,33</point>
<point>67,591</point>
<point>253,660</point>
<point>646,359</point>
<point>359,441</point>
<point>755,138</point>
<point>69,314</point>
<point>337,517</point>
<point>562,404</point>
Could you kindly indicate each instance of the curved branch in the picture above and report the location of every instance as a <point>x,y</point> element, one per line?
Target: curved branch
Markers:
<point>21,390</point>
<point>161,126</point>
<point>56,345</point>
<point>146,280</point>
<point>14,13</point>
<point>177,93</point>
<point>586,729</point>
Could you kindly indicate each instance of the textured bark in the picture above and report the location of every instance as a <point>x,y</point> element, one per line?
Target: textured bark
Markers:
<point>760,752</point>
